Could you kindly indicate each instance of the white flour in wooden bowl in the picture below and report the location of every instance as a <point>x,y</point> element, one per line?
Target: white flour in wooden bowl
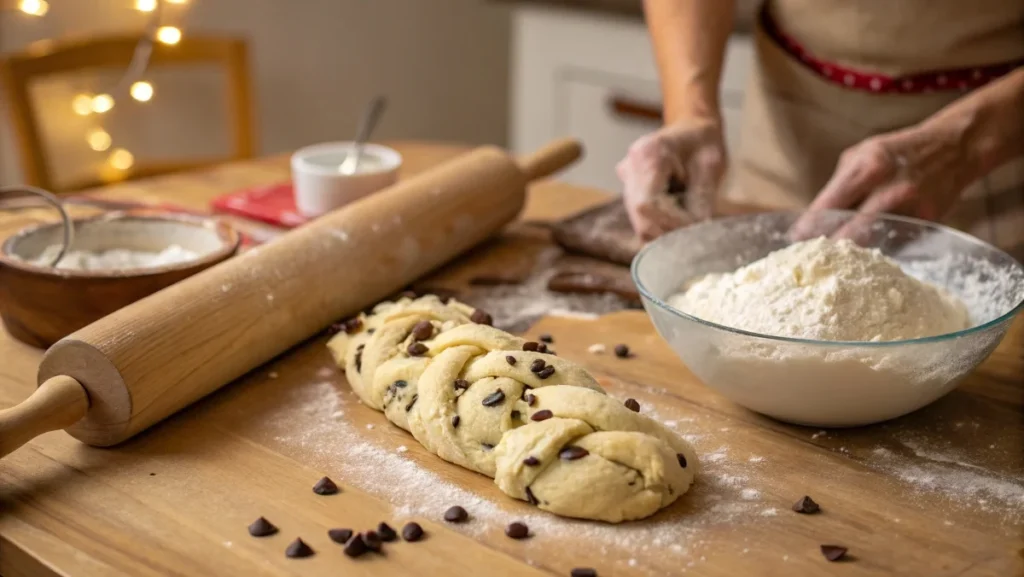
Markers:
<point>115,259</point>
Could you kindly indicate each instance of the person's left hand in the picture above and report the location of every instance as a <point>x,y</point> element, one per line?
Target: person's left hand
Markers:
<point>918,171</point>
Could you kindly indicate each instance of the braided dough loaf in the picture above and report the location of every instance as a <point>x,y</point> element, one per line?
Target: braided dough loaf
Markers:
<point>540,425</point>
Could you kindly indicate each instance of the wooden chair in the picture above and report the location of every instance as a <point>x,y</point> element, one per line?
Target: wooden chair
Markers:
<point>51,58</point>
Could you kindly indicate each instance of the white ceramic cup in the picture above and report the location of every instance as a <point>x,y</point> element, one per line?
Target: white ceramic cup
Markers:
<point>320,186</point>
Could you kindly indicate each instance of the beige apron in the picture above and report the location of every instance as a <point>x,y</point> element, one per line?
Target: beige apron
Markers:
<point>795,123</point>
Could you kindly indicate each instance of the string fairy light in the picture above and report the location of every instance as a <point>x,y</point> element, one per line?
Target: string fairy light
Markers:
<point>34,7</point>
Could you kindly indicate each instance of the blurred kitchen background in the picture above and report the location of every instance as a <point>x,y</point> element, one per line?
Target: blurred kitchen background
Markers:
<point>510,73</point>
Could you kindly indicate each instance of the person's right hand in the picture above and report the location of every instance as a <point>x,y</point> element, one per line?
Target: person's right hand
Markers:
<point>691,151</point>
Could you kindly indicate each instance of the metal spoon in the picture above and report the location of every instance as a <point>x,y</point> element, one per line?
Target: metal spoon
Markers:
<point>68,232</point>
<point>369,121</point>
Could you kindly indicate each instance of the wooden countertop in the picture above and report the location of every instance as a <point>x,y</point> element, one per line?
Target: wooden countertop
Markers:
<point>939,492</point>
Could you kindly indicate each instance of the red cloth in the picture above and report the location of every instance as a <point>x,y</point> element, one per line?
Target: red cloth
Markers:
<point>273,204</point>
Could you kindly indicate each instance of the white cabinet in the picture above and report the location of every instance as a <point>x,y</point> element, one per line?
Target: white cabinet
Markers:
<point>593,77</point>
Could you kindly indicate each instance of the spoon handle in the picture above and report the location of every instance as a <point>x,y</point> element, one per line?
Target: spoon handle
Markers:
<point>368,123</point>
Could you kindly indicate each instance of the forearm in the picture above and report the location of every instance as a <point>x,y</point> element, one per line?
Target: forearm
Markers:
<point>689,39</point>
<point>990,121</point>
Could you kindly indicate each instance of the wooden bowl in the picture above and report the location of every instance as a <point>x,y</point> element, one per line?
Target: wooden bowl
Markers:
<point>40,305</point>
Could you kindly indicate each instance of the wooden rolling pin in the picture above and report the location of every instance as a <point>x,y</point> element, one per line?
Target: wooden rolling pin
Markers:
<point>137,366</point>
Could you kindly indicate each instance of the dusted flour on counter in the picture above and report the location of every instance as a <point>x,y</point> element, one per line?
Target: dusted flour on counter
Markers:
<point>827,290</point>
<point>115,259</point>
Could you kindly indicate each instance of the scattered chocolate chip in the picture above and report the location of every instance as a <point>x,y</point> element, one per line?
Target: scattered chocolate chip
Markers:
<point>359,358</point>
<point>298,549</point>
<point>262,528</point>
<point>571,453</point>
<point>547,372</point>
<point>515,414</point>
<point>372,541</point>
<point>621,351</point>
<point>531,461</point>
<point>510,360</point>
<point>340,536</point>
<point>401,384</point>
<point>370,331</point>
<point>416,349</point>
<point>422,330</point>
<point>542,348</point>
<point>583,572</point>
<point>481,318</point>
<point>682,459</point>
<point>462,384</point>
<point>530,498</point>
<point>530,399</point>
<point>325,486</point>
<point>537,365</point>
<point>541,415</point>
<point>387,534</point>
<point>494,399</point>
<point>517,530</point>
<point>456,514</point>
<point>486,446</point>
<point>806,505</point>
<point>152,474</point>
<point>632,405</point>
<point>546,338</point>
<point>353,325</point>
<point>411,403</point>
<point>455,421</point>
<point>531,346</point>
<point>355,546</point>
<point>412,532</point>
<point>833,552</point>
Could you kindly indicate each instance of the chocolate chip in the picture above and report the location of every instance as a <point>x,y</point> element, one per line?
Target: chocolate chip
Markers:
<point>531,461</point>
<point>412,532</point>
<point>372,541</point>
<point>541,415</point>
<point>411,403</point>
<point>462,384</point>
<point>833,552</point>
<point>486,446</point>
<point>547,372</point>
<point>537,365</point>
<point>416,349</point>
<point>456,514</point>
<point>481,318</point>
<point>530,399</point>
<point>806,505</point>
<point>530,498</point>
<point>370,331</point>
<point>340,536</point>
<point>262,528</point>
<point>517,530</point>
<point>387,534</point>
<point>422,330</point>
<point>571,453</point>
<point>583,572</point>
<point>546,338</point>
<point>531,346</point>
<point>355,546</point>
<point>298,549</point>
<point>359,358</point>
<point>542,348</point>
<point>510,360</point>
<point>401,384</point>
<point>455,421</point>
<point>632,405</point>
<point>621,351</point>
<point>325,486</point>
<point>494,399</point>
<point>682,459</point>
<point>515,414</point>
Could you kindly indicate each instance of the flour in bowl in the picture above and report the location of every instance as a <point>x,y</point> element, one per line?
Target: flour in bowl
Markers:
<point>829,290</point>
<point>115,259</point>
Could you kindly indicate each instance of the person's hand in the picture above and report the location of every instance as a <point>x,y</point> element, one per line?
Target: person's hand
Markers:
<point>919,171</point>
<point>692,152</point>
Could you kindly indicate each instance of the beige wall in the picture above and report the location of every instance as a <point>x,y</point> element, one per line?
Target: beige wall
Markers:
<point>442,63</point>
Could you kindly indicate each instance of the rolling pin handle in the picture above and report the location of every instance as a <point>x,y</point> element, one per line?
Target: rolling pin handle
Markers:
<point>551,158</point>
<point>58,403</point>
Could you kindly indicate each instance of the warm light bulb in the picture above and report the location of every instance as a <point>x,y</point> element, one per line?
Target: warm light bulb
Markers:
<point>168,35</point>
<point>142,91</point>
<point>82,104</point>
<point>102,103</point>
<point>98,139</point>
<point>121,159</point>
<point>145,5</point>
<point>34,7</point>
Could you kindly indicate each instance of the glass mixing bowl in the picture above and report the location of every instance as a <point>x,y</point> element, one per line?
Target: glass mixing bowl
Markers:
<point>828,383</point>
